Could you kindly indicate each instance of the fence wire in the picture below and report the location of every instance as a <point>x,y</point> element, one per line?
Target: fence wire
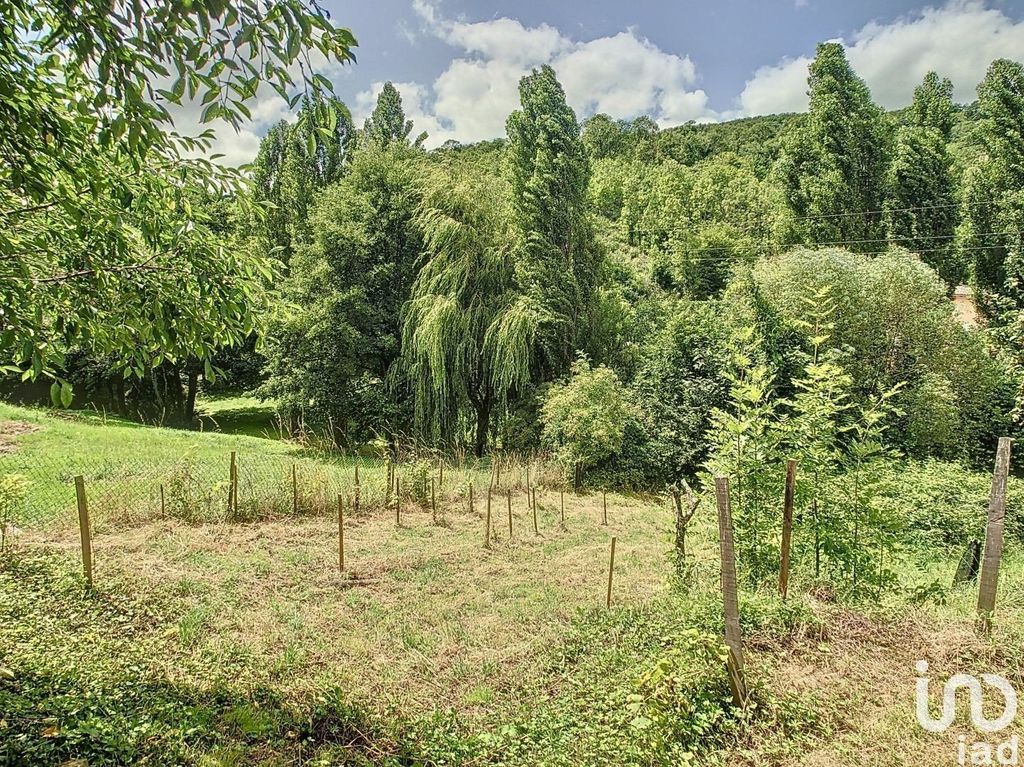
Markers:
<point>38,493</point>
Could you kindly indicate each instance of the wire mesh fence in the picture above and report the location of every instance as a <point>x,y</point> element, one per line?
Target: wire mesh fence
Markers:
<point>236,487</point>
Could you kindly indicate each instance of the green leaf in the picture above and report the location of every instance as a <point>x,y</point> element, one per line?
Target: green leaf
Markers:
<point>66,394</point>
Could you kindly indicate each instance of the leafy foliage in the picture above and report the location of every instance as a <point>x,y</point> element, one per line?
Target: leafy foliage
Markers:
<point>584,419</point>
<point>104,246</point>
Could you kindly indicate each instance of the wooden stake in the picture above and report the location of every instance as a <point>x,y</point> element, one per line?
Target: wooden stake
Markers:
<point>535,530</point>
<point>611,569</point>
<point>233,485</point>
<point>356,493</point>
<point>471,498</point>
<point>604,501</point>
<point>85,529</point>
<point>508,496</point>
<point>398,501</point>
<point>994,537</point>
<point>487,522</point>
<point>787,527</point>
<point>341,534</point>
<point>527,481</point>
<point>295,491</point>
<point>497,473</point>
<point>730,599</point>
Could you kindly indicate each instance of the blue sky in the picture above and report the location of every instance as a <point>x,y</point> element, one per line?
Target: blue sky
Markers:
<point>457,62</point>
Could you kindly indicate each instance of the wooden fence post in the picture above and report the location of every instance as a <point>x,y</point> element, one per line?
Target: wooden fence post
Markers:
<point>730,598</point>
<point>994,537</point>
<point>508,497</point>
<point>85,529</point>
<point>487,521</point>
<point>787,527</point>
<point>604,504</point>
<point>356,493</point>
<point>611,570</point>
<point>341,534</point>
<point>295,491</point>
<point>433,500</point>
<point>528,482</point>
<point>233,485</point>
<point>471,498</point>
<point>535,530</point>
<point>398,500</point>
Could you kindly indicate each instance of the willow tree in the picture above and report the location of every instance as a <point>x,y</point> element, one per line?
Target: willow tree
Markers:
<point>556,261</point>
<point>460,291</point>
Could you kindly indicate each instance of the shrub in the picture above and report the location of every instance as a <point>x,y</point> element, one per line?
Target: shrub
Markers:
<point>584,418</point>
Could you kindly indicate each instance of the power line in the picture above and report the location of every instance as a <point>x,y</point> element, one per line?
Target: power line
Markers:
<point>812,217</point>
<point>723,258</point>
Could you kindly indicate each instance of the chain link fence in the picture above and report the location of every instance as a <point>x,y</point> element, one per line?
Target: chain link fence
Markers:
<point>39,492</point>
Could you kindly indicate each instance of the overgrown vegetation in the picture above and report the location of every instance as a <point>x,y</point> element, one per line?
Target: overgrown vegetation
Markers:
<point>656,308</point>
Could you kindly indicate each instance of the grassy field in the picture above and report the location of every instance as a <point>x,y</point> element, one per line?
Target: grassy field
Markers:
<point>238,415</point>
<point>229,644</point>
<point>125,464</point>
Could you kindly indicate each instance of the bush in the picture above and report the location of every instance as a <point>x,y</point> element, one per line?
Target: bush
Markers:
<point>943,504</point>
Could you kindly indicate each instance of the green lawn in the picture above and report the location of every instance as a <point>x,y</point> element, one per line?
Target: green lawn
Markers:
<point>125,464</point>
<point>242,414</point>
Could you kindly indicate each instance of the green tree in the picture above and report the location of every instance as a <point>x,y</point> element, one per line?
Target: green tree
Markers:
<point>460,290</point>
<point>557,261</point>
<point>101,244</point>
<point>332,357</point>
<point>745,438</point>
<point>920,204</point>
<point>387,123</point>
<point>584,418</point>
<point>833,164</point>
<point>295,161</point>
<point>994,200</point>
<point>895,323</point>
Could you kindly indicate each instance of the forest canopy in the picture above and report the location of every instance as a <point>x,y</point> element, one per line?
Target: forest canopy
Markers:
<point>491,297</point>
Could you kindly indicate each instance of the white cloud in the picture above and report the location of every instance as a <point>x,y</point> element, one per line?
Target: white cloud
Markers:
<point>958,40</point>
<point>624,75</point>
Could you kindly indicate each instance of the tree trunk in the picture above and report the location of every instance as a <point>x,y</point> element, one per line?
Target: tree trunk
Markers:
<point>483,422</point>
<point>190,396</point>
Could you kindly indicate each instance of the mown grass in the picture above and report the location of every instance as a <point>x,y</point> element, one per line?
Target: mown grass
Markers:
<point>239,414</point>
<point>241,644</point>
<point>125,464</point>
<point>221,643</point>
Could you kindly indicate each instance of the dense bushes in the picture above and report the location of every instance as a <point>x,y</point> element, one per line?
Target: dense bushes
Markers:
<point>894,323</point>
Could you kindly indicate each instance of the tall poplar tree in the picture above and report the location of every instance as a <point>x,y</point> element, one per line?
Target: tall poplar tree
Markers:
<point>556,263</point>
<point>993,211</point>
<point>920,205</point>
<point>296,161</point>
<point>833,165</point>
<point>387,124</point>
